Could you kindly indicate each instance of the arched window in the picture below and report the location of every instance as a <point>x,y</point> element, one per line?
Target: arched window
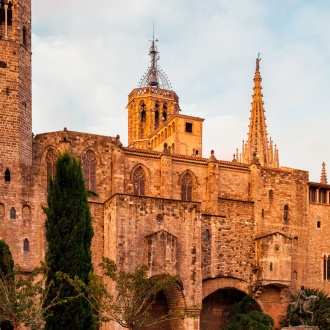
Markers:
<point>89,169</point>
<point>51,165</point>
<point>271,195</point>
<point>12,213</point>
<point>207,234</point>
<point>164,115</point>
<point>139,181</point>
<point>26,245</point>
<point>286,213</point>
<point>143,112</point>
<point>186,187</point>
<point>7,175</point>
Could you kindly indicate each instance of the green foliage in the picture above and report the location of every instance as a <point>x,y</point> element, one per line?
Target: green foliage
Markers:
<point>128,297</point>
<point>22,297</point>
<point>69,234</point>
<point>6,259</point>
<point>246,316</point>
<point>321,312</point>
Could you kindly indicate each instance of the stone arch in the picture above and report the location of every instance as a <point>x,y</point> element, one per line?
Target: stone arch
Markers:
<point>140,184</point>
<point>188,186</point>
<point>170,299</point>
<point>218,294</point>
<point>89,165</point>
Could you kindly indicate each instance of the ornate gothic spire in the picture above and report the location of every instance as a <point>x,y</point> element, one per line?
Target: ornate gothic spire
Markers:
<point>323,175</point>
<point>155,76</point>
<point>257,145</point>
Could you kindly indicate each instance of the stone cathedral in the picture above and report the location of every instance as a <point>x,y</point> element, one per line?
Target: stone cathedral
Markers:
<point>226,228</point>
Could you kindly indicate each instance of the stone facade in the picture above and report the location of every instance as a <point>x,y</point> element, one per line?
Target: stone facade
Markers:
<point>226,228</point>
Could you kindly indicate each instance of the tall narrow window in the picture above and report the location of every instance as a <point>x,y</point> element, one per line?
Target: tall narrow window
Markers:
<point>12,213</point>
<point>156,115</point>
<point>323,196</point>
<point>207,234</point>
<point>286,213</point>
<point>271,195</point>
<point>312,194</point>
<point>186,187</point>
<point>89,169</point>
<point>51,165</point>
<point>24,35</point>
<point>26,245</point>
<point>326,267</point>
<point>139,180</point>
<point>143,112</point>
<point>164,116</point>
<point>271,266</point>
<point>7,175</point>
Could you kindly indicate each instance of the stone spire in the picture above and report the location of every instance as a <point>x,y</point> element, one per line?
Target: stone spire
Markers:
<point>323,175</point>
<point>257,144</point>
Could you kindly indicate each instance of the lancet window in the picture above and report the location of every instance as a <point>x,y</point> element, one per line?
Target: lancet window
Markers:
<point>26,245</point>
<point>51,165</point>
<point>143,112</point>
<point>139,182</point>
<point>286,213</point>
<point>12,213</point>
<point>186,187</point>
<point>156,115</point>
<point>89,169</point>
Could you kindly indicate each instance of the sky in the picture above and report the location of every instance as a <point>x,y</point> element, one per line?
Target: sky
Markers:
<point>89,55</point>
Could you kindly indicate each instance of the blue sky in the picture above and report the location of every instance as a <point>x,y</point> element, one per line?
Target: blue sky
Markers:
<point>88,56</point>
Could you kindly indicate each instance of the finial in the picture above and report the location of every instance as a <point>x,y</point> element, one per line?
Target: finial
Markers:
<point>258,59</point>
<point>323,175</point>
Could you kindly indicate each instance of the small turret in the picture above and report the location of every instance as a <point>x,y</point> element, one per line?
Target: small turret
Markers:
<point>323,175</point>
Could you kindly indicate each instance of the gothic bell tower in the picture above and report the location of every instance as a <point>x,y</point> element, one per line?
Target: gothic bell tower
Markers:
<point>151,104</point>
<point>15,83</point>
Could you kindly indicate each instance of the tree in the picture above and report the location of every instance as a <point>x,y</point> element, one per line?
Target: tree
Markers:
<point>69,234</point>
<point>22,297</point>
<point>246,316</point>
<point>133,298</point>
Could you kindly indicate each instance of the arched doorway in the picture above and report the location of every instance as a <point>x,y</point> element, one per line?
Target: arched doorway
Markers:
<point>215,313</point>
<point>169,300</point>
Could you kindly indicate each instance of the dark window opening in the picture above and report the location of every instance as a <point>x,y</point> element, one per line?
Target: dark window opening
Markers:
<point>262,213</point>
<point>26,245</point>
<point>12,214</point>
<point>186,187</point>
<point>271,267</point>
<point>7,175</point>
<point>286,213</point>
<point>9,13</point>
<point>189,127</point>
<point>24,35</point>
<point>312,194</point>
<point>143,116</point>
<point>139,180</point>
<point>207,234</point>
<point>271,195</point>
<point>323,196</point>
<point>318,224</point>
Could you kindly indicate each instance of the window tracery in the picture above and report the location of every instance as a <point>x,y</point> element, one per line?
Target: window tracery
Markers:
<point>89,169</point>
<point>186,187</point>
<point>139,181</point>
